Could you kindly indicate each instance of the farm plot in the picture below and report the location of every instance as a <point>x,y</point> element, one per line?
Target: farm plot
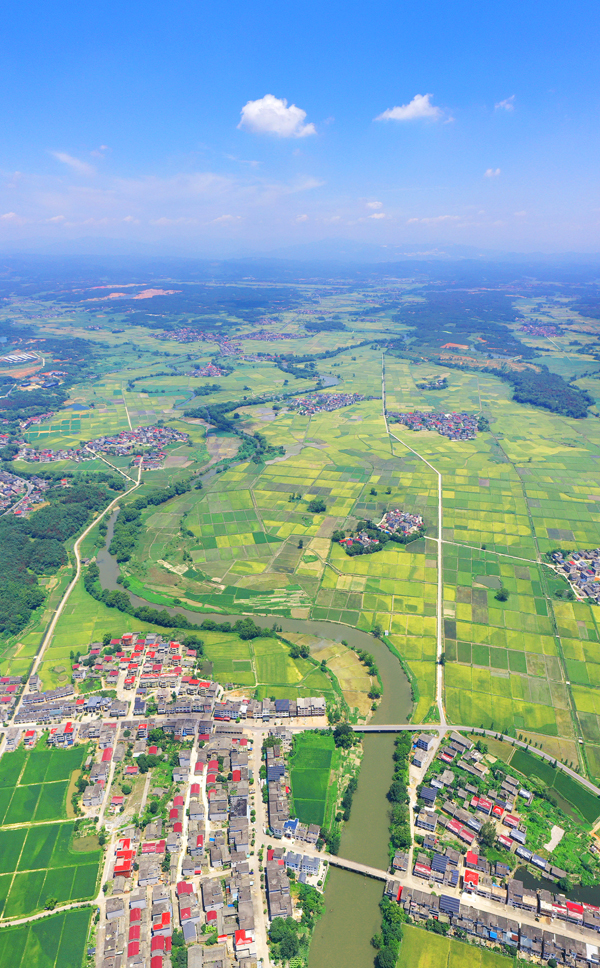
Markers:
<point>423,949</point>
<point>41,865</point>
<point>312,760</point>
<point>37,862</point>
<point>38,784</point>
<point>54,942</point>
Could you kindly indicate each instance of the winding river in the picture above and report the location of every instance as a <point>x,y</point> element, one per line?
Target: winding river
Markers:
<point>342,937</point>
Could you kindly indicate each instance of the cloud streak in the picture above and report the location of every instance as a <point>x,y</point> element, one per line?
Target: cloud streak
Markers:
<point>492,172</point>
<point>75,164</point>
<point>420,107</point>
<point>434,219</point>
<point>272,115</point>
<point>508,104</point>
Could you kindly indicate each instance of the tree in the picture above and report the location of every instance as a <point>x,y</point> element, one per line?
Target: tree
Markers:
<point>397,792</point>
<point>317,505</point>
<point>343,736</point>
<point>377,631</point>
<point>386,958</point>
<point>106,638</point>
<point>487,834</point>
<point>125,787</point>
<point>501,595</point>
<point>301,543</point>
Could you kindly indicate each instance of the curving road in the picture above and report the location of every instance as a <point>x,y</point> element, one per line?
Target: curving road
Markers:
<point>50,630</point>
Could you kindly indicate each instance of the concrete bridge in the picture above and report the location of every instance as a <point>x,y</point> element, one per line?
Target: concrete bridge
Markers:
<point>350,865</point>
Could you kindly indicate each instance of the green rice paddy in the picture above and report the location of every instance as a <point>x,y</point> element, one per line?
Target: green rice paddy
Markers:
<point>313,759</point>
<point>54,942</point>
<point>36,859</point>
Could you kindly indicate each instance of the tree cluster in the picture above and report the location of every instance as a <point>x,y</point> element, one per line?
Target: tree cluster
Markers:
<point>33,546</point>
<point>129,520</point>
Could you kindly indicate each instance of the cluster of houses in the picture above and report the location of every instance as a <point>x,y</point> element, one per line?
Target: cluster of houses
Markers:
<point>187,869</point>
<point>139,929</point>
<point>19,494</point>
<point>531,940</point>
<point>540,328</point>
<point>10,689</point>
<point>462,810</point>
<point>400,522</point>
<point>455,426</point>
<point>121,445</point>
<point>319,402</point>
<point>158,676</point>
<point>44,707</point>
<point>11,486</point>
<point>186,334</point>
<point>582,570</point>
<point>209,370</point>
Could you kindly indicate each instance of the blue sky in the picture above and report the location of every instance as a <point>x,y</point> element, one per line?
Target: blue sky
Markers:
<point>235,127</point>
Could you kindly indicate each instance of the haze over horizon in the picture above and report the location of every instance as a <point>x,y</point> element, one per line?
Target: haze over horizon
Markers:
<point>236,131</point>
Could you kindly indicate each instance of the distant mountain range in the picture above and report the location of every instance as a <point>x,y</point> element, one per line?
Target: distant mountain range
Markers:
<point>332,250</point>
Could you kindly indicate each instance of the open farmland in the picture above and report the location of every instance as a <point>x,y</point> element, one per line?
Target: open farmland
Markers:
<point>36,858</point>
<point>54,942</point>
<point>423,949</point>
<point>527,664</point>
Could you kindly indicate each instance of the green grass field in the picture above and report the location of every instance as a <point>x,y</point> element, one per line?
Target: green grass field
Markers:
<point>311,763</point>
<point>423,949</point>
<point>36,859</point>
<point>54,942</point>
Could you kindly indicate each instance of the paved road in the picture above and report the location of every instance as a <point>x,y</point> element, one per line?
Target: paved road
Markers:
<point>50,631</point>
<point>45,914</point>
<point>260,825</point>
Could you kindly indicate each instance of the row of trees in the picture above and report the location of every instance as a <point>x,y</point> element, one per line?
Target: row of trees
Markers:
<point>120,600</point>
<point>388,940</point>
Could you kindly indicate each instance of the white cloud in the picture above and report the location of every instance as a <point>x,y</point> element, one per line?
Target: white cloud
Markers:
<point>227,218</point>
<point>492,172</point>
<point>56,218</point>
<point>374,204</point>
<point>75,163</point>
<point>436,218</point>
<point>419,107</point>
<point>271,115</point>
<point>377,215</point>
<point>302,218</point>
<point>520,214</point>
<point>9,216</point>
<point>506,105</point>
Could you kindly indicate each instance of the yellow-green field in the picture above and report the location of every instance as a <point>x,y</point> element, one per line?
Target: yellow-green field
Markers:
<point>423,949</point>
